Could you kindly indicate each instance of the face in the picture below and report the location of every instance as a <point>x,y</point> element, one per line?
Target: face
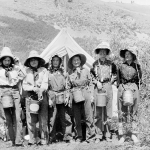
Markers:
<point>34,62</point>
<point>128,56</point>
<point>102,54</point>
<point>56,62</point>
<point>76,61</point>
<point>7,61</point>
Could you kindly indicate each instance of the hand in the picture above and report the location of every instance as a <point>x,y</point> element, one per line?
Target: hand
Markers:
<point>36,89</point>
<point>66,101</point>
<point>99,85</point>
<point>50,103</point>
<point>113,79</point>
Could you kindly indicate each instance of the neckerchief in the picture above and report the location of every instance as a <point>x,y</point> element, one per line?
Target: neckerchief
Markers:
<point>78,71</point>
<point>7,70</point>
<point>35,73</point>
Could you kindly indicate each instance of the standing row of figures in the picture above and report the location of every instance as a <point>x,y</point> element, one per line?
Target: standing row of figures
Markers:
<point>77,104</point>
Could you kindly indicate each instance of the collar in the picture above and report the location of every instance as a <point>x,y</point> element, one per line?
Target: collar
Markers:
<point>74,69</point>
<point>132,63</point>
<point>53,70</point>
<point>103,62</point>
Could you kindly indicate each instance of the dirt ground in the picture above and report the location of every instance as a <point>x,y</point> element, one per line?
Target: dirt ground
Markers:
<point>74,146</point>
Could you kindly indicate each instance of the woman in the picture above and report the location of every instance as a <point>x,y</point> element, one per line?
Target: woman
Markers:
<point>105,74</point>
<point>58,101</point>
<point>35,85</point>
<point>9,90</point>
<point>129,79</point>
<point>80,80</point>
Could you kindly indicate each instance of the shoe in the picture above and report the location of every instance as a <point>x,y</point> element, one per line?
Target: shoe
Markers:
<point>70,141</point>
<point>103,138</point>
<point>78,140</point>
<point>97,141</point>
<point>121,141</point>
<point>135,139</point>
<point>108,139</point>
<point>43,142</point>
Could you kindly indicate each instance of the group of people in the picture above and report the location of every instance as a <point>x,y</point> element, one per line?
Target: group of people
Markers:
<point>77,104</point>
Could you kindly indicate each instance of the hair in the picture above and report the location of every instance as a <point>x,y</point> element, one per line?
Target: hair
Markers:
<point>60,60</point>
<point>133,55</point>
<point>12,61</point>
<point>39,63</point>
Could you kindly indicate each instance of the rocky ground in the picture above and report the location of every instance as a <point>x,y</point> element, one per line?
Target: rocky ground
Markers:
<point>103,145</point>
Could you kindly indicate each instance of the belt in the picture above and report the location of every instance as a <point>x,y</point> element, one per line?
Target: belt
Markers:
<point>8,86</point>
<point>128,81</point>
<point>105,80</point>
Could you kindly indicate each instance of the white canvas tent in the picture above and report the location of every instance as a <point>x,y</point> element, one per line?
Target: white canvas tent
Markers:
<point>64,45</point>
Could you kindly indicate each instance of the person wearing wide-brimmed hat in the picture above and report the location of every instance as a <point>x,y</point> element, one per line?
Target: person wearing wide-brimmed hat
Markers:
<point>104,72</point>
<point>79,82</point>
<point>58,101</point>
<point>36,84</point>
<point>129,79</point>
<point>9,79</point>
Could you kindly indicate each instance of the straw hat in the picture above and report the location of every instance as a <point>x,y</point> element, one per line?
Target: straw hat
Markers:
<point>82,56</point>
<point>6,52</point>
<point>103,45</point>
<point>34,54</point>
<point>132,49</point>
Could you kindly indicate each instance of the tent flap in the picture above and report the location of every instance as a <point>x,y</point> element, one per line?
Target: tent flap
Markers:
<point>64,44</point>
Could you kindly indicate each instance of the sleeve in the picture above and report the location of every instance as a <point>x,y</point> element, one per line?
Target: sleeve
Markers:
<point>44,84</point>
<point>27,86</point>
<point>139,71</point>
<point>118,77</point>
<point>93,74</point>
<point>114,69</point>
<point>68,83</point>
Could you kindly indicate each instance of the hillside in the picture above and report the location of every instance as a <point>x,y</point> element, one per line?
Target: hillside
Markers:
<point>27,25</point>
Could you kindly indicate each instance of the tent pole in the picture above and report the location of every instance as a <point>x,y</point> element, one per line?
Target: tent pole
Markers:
<point>65,64</point>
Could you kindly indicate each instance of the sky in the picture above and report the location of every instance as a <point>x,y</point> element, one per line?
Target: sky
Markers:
<point>140,2</point>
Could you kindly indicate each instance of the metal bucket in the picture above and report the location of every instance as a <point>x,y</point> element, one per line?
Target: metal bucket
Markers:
<point>34,106</point>
<point>7,101</point>
<point>60,98</point>
<point>78,95</point>
<point>101,99</point>
<point>128,98</point>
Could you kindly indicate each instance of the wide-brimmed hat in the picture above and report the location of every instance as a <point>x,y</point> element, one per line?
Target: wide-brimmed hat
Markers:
<point>6,52</point>
<point>34,54</point>
<point>103,45</point>
<point>132,50</point>
<point>82,57</point>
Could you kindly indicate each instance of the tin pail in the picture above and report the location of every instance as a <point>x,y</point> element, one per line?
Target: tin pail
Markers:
<point>101,99</point>
<point>7,101</point>
<point>128,98</point>
<point>34,106</point>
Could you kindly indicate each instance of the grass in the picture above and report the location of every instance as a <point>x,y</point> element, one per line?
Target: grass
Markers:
<point>22,36</point>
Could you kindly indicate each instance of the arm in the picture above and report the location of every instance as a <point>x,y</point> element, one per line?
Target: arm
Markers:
<point>114,73</point>
<point>44,84</point>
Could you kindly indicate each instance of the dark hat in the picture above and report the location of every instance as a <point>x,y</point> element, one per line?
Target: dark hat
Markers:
<point>132,50</point>
<point>82,57</point>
